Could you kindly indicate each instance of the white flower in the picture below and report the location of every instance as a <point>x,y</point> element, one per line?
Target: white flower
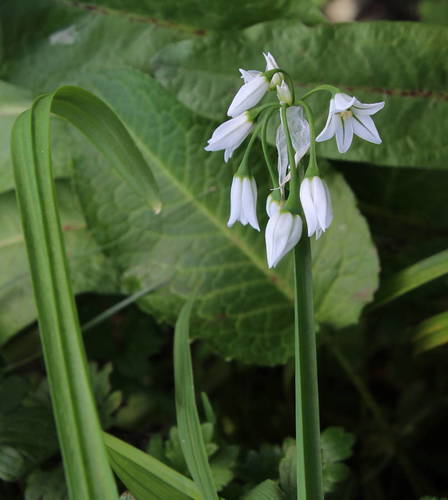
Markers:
<point>284,94</point>
<point>271,63</point>
<point>299,130</point>
<point>243,202</point>
<point>272,206</point>
<point>316,203</point>
<point>253,90</point>
<point>283,232</point>
<point>229,135</point>
<point>348,116</point>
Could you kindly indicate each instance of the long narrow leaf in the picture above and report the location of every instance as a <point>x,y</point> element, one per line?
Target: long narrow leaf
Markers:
<point>145,477</point>
<point>432,332</point>
<point>412,277</point>
<point>85,459</point>
<point>191,439</point>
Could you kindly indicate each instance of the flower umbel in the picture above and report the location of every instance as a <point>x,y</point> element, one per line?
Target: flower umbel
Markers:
<point>243,201</point>
<point>230,134</point>
<point>348,116</point>
<point>316,203</point>
<point>283,232</point>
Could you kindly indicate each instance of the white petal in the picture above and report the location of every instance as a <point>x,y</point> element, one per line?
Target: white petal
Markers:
<point>283,232</point>
<point>271,63</point>
<point>229,135</point>
<point>342,102</point>
<point>364,127</point>
<point>248,75</point>
<point>344,132</point>
<point>235,200</point>
<point>300,131</point>
<point>249,202</point>
<point>248,95</point>
<point>320,201</point>
<point>272,206</point>
<point>308,206</point>
<point>367,109</point>
<point>329,214</point>
<point>329,129</point>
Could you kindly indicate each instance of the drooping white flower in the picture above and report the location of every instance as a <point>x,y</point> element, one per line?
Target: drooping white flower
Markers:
<point>316,204</point>
<point>243,202</point>
<point>255,87</point>
<point>284,93</point>
<point>271,63</point>
<point>348,116</point>
<point>299,130</point>
<point>229,135</point>
<point>283,232</point>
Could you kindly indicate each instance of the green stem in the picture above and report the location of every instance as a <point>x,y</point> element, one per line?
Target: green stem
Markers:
<point>327,88</point>
<point>309,465</point>
<point>264,144</point>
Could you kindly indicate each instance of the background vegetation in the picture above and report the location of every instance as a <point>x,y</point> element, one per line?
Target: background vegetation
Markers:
<point>169,69</point>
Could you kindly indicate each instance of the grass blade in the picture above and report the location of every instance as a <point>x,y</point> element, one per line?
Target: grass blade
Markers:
<point>191,439</point>
<point>145,477</point>
<point>84,454</point>
<point>412,277</point>
<point>431,333</point>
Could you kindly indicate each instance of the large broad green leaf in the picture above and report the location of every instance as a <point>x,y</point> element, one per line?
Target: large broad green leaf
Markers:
<point>402,63</point>
<point>243,309</point>
<point>90,269</point>
<point>217,14</point>
<point>61,51</point>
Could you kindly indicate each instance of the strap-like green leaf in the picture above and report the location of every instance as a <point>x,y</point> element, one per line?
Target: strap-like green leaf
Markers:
<point>145,477</point>
<point>432,332</point>
<point>412,277</point>
<point>85,460</point>
<point>191,439</point>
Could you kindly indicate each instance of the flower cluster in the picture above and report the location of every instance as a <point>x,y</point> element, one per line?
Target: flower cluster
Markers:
<point>296,191</point>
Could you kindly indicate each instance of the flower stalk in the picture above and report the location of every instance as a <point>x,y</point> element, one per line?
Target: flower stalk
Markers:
<point>308,454</point>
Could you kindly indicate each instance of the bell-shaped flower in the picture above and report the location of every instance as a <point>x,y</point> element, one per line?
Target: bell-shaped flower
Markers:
<point>271,64</point>
<point>299,130</point>
<point>316,204</point>
<point>229,135</point>
<point>283,232</point>
<point>348,116</point>
<point>255,87</point>
<point>243,202</point>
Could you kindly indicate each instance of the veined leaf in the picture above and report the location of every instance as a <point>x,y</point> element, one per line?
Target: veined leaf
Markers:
<point>431,333</point>
<point>359,58</point>
<point>244,310</point>
<point>189,427</point>
<point>87,471</point>
<point>146,477</point>
<point>89,268</point>
<point>195,16</point>
<point>412,277</point>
